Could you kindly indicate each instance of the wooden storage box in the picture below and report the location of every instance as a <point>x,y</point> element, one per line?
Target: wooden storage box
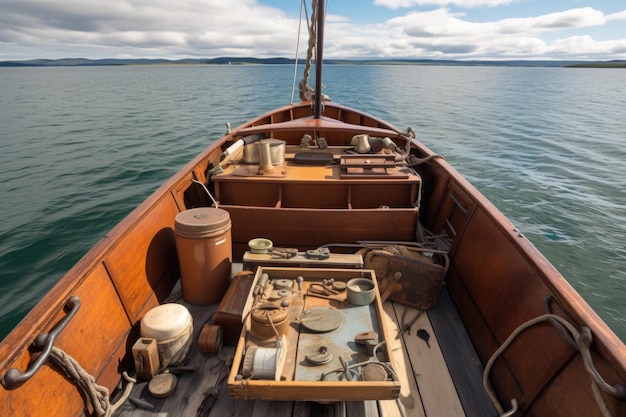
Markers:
<point>319,337</point>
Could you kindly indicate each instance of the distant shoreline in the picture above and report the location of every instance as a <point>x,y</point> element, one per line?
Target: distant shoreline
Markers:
<point>73,62</point>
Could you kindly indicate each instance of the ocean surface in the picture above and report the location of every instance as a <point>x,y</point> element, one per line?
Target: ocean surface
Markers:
<point>80,147</point>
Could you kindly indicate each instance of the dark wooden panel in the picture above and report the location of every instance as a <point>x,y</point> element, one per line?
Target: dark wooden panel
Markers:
<point>291,227</point>
<point>570,395</point>
<point>178,192</point>
<point>508,291</point>
<point>311,195</point>
<point>382,194</point>
<point>482,339</point>
<point>248,194</point>
<point>97,348</point>
<point>143,265</point>
<point>453,214</point>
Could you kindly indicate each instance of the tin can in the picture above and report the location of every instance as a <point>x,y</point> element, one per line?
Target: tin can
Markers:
<point>204,247</point>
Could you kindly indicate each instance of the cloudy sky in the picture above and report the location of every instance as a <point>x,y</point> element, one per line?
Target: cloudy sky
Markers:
<point>437,29</point>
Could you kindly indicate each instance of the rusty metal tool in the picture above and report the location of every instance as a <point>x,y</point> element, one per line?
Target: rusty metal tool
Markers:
<point>210,396</point>
<point>406,327</point>
<point>284,253</point>
<point>319,253</point>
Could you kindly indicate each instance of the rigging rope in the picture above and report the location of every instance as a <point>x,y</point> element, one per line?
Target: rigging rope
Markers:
<point>96,395</point>
<point>295,66</point>
<point>306,92</point>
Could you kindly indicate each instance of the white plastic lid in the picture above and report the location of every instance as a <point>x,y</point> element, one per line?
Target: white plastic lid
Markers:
<point>165,321</point>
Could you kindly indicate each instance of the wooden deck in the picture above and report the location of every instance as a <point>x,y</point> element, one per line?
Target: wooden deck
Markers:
<point>441,377</point>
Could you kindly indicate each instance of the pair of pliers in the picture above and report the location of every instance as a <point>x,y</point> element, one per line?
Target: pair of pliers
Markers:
<point>321,289</point>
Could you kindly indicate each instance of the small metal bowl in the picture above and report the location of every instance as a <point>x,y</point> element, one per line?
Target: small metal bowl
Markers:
<point>360,291</point>
<point>260,245</point>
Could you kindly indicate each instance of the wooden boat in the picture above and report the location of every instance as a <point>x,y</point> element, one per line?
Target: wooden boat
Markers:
<point>505,335</point>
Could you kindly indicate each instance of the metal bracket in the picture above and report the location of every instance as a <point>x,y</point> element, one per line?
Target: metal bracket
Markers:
<point>44,341</point>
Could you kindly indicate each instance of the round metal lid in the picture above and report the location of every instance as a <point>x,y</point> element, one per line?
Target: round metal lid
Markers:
<point>321,319</point>
<point>265,315</point>
<point>201,220</point>
<point>374,372</point>
<point>162,385</point>
<point>319,356</point>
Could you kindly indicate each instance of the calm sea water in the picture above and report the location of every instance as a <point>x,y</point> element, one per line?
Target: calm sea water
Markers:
<point>81,147</point>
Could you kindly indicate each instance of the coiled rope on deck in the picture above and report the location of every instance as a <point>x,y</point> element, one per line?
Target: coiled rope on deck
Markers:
<point>96,396</point>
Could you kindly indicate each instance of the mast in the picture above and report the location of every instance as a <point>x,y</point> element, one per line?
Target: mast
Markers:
<point>318,99</point>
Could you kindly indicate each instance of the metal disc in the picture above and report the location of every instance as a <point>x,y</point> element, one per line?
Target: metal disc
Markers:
<point>374,372</point>
<point>321,319</point>
<point>162,385</point>
<point>282,283</point>
<point>319,356</point>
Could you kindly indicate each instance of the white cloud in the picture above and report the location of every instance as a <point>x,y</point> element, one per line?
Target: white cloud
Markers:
<point>588,47</point>
<point>440,32</point>
<point>617,16</point>
<point>178,29</point>
<point>211,28</point>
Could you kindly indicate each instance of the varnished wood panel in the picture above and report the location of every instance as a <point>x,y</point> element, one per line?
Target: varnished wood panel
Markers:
<point>292,227</point>
<point>454,214</point>
<point>248,194</point>
<point>178,192</point>
<point>143,265</point>
<point>98,348</point>
<point>570,394</point>
<point>189,194</point>
<point>363,196</point>
<point>508,292</point>
<point>332,196</point>
<point>478,330</point>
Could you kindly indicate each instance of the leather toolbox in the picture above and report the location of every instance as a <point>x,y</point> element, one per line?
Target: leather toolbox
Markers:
<point>230,310</point>
<point>407,276</point>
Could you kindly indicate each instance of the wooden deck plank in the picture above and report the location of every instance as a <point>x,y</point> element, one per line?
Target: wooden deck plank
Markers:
<point>465,367</point>
<point>410,399</point>
<point>436,388</point>
<point>272,408</point>
<point>362,408</point>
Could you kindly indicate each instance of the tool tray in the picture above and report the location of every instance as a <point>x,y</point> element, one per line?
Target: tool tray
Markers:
<point>302,339</point>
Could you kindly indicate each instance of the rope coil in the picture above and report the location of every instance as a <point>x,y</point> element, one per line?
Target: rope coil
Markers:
<point>96,396</point>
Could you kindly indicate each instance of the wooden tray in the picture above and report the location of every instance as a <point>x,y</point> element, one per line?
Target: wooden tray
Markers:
<point>296,378</point>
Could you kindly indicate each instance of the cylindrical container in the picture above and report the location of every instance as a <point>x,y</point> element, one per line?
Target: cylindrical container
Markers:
<point>171,326</point>
<point>266,323</point>
<point>204,247</point>
<point>360,291</point>
<point>251,152</point>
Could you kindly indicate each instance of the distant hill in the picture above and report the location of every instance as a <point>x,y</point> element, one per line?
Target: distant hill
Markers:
<point>72,62</point>
<point>65,62</point>
<point>602,64</point>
